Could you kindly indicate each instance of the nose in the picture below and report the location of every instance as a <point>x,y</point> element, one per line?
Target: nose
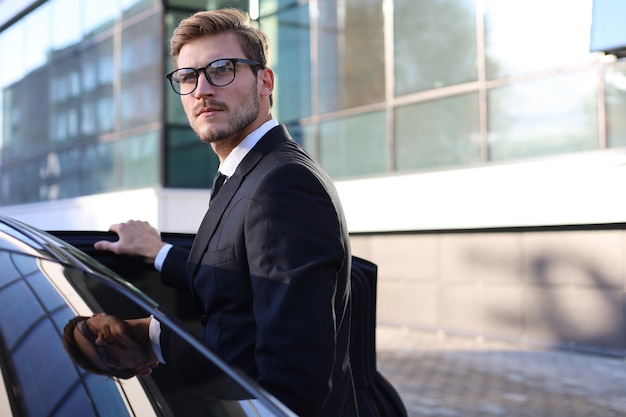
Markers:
<point>204,88</point>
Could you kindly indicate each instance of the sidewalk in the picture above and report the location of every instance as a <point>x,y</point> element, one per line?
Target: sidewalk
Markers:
<point>450,376</point>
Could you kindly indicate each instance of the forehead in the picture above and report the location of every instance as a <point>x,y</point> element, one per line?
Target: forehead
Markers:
<point>205,49</point>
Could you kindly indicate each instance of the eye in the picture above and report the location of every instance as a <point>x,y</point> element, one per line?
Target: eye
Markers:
<point>186,76</point>
<point>221,68</point>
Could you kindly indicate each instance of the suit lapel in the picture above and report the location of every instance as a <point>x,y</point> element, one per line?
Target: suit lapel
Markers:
<point>218,206</point>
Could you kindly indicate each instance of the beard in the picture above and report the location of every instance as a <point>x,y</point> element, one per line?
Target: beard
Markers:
<point>246,112</point>
<point>141,344</point>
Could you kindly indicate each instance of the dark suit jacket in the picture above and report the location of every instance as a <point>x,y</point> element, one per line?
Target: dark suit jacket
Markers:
<point>269,272</point>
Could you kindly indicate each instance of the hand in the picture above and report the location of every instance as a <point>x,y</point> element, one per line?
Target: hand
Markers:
<point>135,238</point>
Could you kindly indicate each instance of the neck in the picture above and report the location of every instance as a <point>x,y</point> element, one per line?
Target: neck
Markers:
<point>142,330</point>
<point>223,148</point>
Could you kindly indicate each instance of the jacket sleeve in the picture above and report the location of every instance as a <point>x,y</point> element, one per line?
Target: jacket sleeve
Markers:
<point>174,270</point>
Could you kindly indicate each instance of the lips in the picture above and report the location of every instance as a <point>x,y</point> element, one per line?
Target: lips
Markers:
<point>208,111</point>
<point>210,108</point>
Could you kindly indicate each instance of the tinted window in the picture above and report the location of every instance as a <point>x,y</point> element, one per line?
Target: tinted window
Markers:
<point>32,317</point>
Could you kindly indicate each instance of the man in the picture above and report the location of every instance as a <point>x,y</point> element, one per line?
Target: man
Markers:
<point>269,267</point>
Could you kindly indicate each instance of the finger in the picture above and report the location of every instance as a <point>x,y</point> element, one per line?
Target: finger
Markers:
<point>103,245</point>
<point>115,227</point>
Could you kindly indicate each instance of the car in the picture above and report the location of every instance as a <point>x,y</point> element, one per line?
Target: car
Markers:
<point>46,278</point>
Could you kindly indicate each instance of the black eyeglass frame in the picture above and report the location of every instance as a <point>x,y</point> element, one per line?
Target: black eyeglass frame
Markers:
<point>204,69</point>
<point>108,358</point>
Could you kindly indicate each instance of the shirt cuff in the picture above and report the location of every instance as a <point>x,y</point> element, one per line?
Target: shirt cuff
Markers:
<point>154,331</point>
<point>160,258</point>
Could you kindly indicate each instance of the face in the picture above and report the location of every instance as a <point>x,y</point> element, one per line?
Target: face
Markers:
<point>226,114</point>
<point>107,340</point>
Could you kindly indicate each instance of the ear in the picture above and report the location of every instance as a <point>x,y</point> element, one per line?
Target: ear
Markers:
<point>98,314</point>
<point>266,82</point>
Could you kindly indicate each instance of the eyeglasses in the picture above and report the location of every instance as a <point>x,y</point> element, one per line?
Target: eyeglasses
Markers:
<point>219,73</point>
<point>107,357</point>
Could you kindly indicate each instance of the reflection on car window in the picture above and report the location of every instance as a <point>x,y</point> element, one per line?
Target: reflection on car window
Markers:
<point>31,321</point>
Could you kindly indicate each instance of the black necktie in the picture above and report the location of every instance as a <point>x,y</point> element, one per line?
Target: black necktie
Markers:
<point>218,181</point>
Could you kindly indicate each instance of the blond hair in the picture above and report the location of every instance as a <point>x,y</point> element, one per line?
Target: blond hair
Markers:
<point>254,42</point>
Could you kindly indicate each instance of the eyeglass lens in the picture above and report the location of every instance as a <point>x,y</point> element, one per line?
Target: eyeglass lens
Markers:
<point>219,73</point>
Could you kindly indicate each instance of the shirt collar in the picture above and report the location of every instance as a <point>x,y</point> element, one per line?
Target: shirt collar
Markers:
<point>235,157</point>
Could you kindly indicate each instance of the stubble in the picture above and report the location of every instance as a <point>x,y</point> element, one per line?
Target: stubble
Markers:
<point>239,118</point>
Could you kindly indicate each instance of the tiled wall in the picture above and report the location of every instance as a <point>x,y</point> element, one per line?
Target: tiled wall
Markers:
<point>565,288</point>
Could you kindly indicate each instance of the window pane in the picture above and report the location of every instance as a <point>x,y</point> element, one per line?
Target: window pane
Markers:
<point>190,163</point>
<point>434,44</point>
<point>351,54</point>
<point>99,168</point>
<point>19,182</point>
<point>37,48</point>
<point>290,58</point>
<point>98,16</point>
<point>133,7</point>
<point>307,139</point>
<point>141,73</point>
<point>531,35</point>
<point>194,5</point>
<point>272,6</point>
<point>65,92</point>
<point>66,18</point>
<point>22,100</point>
<point>13,54</point>
<point>544,117</point>
<point>438,133</point>
<point>354,145</point>
<point>616,104</point>
<point>139,160</point>
<point>174,112</point>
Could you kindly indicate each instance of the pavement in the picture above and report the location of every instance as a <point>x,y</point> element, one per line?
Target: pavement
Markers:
<point>440,375</point>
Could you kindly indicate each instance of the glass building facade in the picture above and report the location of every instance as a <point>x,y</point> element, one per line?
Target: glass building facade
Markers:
<point>370,87</point>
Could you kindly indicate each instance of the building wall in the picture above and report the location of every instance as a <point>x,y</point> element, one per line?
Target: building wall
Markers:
<point>562,287</point>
